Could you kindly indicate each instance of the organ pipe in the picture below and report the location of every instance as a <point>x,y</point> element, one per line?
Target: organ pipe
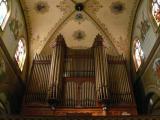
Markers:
<point>37,85</point>
<point>120,88</point>
<point>55,78</point>
<point>86,75</point>
<point>101,72</point>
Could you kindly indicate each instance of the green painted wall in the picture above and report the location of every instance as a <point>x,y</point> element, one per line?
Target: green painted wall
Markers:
<point>144,29</point>
<point>11,86</point>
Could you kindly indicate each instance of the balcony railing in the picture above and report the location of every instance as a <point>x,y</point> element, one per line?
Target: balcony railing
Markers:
<point>79,118</point>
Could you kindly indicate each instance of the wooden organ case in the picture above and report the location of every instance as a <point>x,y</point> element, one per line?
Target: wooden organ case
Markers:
<point>79,82</point>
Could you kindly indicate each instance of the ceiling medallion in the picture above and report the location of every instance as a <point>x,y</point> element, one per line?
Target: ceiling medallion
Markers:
<point>41,7</point>
<point>79,7</point>
<point>117,7</point>
<point>79,17</point>
<point>79,35</point>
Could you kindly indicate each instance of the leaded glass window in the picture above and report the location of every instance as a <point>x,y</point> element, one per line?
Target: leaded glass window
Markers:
<point>156,11</point>
<point>139,54</point>
<point>20,54</point>
<point>3,12</point>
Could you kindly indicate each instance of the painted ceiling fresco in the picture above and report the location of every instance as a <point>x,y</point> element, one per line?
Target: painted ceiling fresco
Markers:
<point>79,21</point>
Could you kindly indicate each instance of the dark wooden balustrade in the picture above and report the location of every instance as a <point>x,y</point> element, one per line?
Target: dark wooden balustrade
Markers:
<point>21,117</point>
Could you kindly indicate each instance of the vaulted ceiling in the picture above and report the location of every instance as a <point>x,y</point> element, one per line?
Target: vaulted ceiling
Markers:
<point>80,23</point>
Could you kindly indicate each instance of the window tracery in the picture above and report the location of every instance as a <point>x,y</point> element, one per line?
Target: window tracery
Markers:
<point>20,54</point>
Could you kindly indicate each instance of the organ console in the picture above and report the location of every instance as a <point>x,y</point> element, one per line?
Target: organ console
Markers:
<point>79,82</point>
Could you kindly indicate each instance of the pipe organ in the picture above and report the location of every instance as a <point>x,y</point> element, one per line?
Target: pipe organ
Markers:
<point>70,82</point>
<point>55,79</point>
<point>78,79</point>
<point>37,85</point>
<point>102,77</point>
<point>120,86</point>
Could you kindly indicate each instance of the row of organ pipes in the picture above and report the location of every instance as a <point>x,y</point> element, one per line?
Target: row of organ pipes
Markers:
<point>78,78</point>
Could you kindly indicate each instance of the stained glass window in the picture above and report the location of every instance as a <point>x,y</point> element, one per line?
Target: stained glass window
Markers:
<point>3,11</point>
<point>139,55</point>
<point>156,11</point>
<point>20,54</point>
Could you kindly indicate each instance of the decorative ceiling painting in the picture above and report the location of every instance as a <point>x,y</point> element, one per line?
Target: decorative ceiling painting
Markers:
<point>41,7</point>
<point>79,21</point>
<point>79,35</point>
<point>117,7</point>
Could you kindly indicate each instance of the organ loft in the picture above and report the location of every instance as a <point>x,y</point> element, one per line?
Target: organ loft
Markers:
<point>79,58</point>
<point>79,82</point>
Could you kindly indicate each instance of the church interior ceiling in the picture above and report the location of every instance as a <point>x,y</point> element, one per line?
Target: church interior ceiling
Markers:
<point>79,21</point>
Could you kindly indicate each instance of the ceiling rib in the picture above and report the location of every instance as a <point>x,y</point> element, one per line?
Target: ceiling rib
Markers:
<point>57,29</point>
<point>99,26</point>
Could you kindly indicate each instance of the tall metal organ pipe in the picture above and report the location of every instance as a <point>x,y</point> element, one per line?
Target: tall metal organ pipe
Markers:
<point>101,72</point>
<point>55,79</point>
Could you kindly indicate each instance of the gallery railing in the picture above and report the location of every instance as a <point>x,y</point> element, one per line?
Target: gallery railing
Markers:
<point>79,118</point>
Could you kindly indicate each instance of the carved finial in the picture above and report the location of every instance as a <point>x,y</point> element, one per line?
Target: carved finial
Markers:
<point>99,37</point>
<point>59,38</point>
<point>98,40</point>
<point>59,41</point>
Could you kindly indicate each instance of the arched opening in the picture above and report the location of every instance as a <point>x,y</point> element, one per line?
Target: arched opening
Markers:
<point>138,54</point>
<point>5,10</point>
<point>156,11</point>
<point>20,54</point>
